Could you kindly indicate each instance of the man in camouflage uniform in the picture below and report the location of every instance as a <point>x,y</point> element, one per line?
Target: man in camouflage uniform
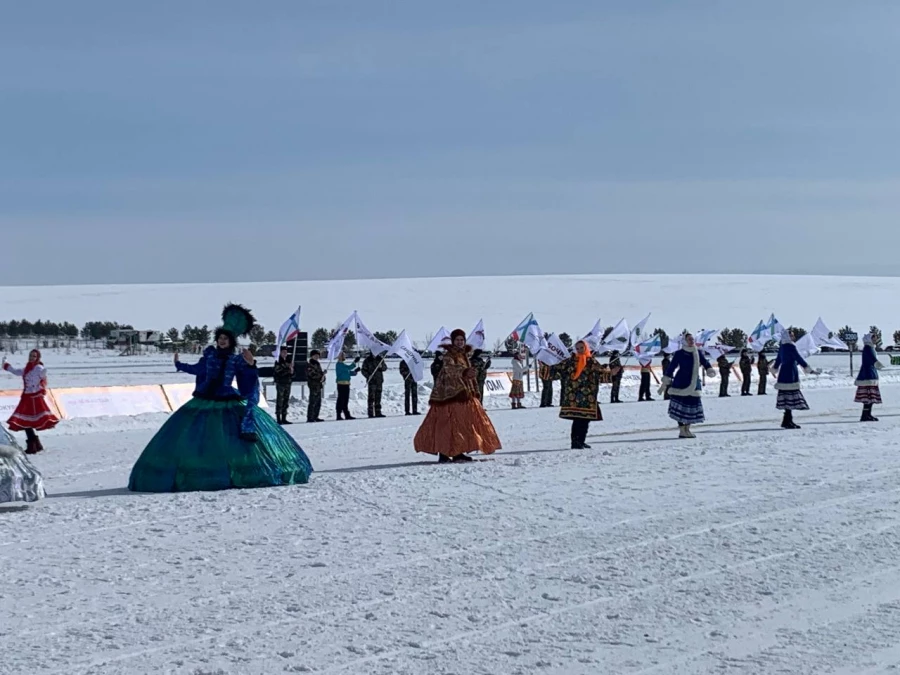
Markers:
<point>410,390</point>
<point>646,374</point>
<point>666,362</point>
<point>546,377</point>
<point>762,367</point>
<point>746,366</point>
<point>315,380</point>
<point>283,375</point>
<point>615,374</point>
<point>724,373</point>
<point>374,374</point>
<point>481,366</point>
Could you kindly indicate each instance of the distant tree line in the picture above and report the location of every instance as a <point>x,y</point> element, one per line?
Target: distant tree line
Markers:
<point>202,335</point>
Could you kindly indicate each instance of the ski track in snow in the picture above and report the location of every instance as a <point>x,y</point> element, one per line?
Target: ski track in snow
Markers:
<point>748,550</point>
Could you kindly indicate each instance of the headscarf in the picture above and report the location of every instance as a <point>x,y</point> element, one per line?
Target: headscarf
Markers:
<point>786,338</point>
<point>31,365</point>
<point>868,339</point>
<point>581,360</point>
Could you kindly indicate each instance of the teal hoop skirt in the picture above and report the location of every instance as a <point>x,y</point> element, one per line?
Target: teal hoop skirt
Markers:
<point>200,448</point>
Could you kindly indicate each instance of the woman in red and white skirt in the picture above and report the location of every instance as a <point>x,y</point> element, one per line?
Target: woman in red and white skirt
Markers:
<point>32,414</point>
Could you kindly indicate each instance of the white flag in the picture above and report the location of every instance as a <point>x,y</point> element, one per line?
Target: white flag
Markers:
<point>674,345</point>
<point>367,339</point>
<point>758,337</point>
<point>715,351</point>
<point>476,337</point>
<point>403,347</point>
<point>617,340</point>
<point>439,338</point>
<point>553,352</point>
<point>288,331</point>
<point>534,338</point>
<point>637,333</point>
<point>336,343</point>
<point>775,328</point>
<point>820,335</point>
<point>593,338</point>
<point>648,348</point>
<point>705,336</point>
<point>806,346</point>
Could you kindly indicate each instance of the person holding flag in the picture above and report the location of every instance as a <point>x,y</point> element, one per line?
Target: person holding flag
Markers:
<point>456,423</point>
<point>746,365</point>
<point>762,367</point>
<point>283,374</point>
<point>682,378</point>
<point>373,370</point>
<point>517,391</point>
<point>410,390</point>
<point>344,373</point>
<point>578,399</point>
<point>315,380</point>
<point>646,372</point>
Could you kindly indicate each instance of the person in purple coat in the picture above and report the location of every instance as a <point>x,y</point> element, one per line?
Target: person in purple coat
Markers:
<point>682,379</point>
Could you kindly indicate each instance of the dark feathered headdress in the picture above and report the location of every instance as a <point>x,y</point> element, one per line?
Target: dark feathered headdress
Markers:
<point>236,321</point>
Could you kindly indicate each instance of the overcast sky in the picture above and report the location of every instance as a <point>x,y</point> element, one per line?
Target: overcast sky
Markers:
<point>301,139</point>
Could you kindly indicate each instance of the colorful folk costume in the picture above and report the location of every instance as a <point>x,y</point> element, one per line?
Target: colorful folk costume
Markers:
<point>32,414</point>
<point>221,439</point>
<point>867,390</point>
<point>578,399</point>
<point>682,379</point>
<point>19,480</point>
<point>517,392</point>
<point>456,423</point>
<point>787,383</point>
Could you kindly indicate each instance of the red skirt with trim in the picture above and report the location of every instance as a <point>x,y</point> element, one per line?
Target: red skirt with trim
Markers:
<point>32,413</point>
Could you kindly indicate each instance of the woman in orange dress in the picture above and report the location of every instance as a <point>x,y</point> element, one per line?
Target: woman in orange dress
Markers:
<point>456,423</point>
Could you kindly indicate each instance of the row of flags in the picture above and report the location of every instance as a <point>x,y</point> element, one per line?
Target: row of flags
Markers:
<point>549,348</point>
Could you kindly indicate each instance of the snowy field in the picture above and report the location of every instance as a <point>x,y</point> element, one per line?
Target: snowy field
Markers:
<point>749,550</point>
<point>560,303</point>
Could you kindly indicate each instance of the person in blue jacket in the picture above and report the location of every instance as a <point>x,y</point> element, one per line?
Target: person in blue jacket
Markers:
<point>787,373</point>
<point>221,439</point>
<point>867,391</point>
<point>682,380</point>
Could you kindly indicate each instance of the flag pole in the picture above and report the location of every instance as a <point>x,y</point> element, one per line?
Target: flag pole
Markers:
<point>296,337</point>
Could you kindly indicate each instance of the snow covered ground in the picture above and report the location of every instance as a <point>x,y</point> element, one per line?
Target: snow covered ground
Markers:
<point>748,550</point>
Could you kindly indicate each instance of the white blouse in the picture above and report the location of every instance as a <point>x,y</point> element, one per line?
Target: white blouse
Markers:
<point>35,380</point>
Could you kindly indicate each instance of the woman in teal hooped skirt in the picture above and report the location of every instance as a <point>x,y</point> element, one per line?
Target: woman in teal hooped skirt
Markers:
<point>221,439</point>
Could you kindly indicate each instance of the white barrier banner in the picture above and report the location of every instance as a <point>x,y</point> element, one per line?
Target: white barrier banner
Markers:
<point>110,401</point>
<point>178,394</point>
<point>8,402</point>
<point>497,384</point>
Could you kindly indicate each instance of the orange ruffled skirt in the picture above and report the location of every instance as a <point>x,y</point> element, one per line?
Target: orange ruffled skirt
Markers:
<point>456,428</point>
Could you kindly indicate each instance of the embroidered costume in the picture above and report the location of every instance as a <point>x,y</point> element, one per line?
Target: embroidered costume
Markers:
<point>578,399</point>
<point>456,423</point>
